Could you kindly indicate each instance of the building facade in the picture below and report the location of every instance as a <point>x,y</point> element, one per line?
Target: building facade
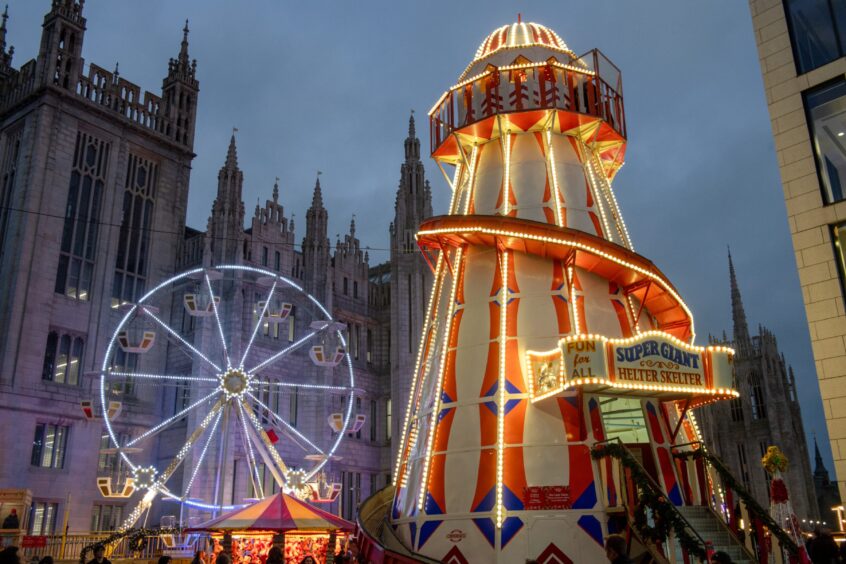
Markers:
<point>767,413</point>
<point>95,178</point>
<point>802,52</point>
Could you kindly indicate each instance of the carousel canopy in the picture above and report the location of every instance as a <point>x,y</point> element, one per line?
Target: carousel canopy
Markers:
<point>280,513</point>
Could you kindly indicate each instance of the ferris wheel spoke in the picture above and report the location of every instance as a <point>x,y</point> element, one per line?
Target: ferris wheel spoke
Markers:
<point>266,450</point>
<point>283,352</point>
<point>287,425</point>
<point>202,456</point>
<point>180,338</point>
<point>167,422</point>
<point>258,486</point>
<point>219,324</point>
<point>259,322</point>
<point>142,375</point>
<point>301,386</point>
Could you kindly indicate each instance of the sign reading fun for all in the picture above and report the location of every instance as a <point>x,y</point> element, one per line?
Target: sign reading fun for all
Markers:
<point>651,361</point>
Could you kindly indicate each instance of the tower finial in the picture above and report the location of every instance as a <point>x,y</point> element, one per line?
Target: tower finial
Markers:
<point>519,17</point>
<point>741,329</point>
<point>232,152</point>
<point>183,52</point>
<point>317,197</point>
<point>411,129</point>
<point>352,227</point>
<point>276,191</point>
<point>7,57</point>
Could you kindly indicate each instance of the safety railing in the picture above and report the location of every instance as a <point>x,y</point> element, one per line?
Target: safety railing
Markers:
<point>69,547</point>
<point>590,85</point>
<point>657,522</point>
<point>707,481</point>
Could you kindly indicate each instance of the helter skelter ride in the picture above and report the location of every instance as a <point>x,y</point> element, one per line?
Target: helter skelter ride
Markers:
<point>546,334</point>
<point>239,341</point>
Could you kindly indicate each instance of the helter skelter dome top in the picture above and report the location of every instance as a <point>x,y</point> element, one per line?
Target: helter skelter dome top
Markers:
<point>534,41</point>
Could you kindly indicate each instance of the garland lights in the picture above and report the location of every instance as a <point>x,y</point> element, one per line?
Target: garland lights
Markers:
<point>136,540</point>
<point>665,515</point>
<point>755,509</point>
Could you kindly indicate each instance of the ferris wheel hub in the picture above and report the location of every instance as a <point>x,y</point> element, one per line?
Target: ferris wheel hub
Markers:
<point>235,383</point>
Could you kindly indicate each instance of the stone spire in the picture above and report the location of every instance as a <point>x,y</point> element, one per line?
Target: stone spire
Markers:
<point>352,227</point>
<point>5,55</point>
<point>276,191</point>
<point>232,153</point>
<point>182,68</point>
<point>316,246</point>
<point>741,329</point>
<point>317,197</point>
<point>412,143</point>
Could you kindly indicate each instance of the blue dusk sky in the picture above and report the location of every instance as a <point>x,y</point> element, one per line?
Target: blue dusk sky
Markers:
<point>329,86</point>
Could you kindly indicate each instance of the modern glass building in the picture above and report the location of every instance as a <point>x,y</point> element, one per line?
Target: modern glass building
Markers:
<point>802,52</point>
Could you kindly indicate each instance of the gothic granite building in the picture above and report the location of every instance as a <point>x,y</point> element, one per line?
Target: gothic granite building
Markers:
<point>766,413</point>
<point>94,179</point>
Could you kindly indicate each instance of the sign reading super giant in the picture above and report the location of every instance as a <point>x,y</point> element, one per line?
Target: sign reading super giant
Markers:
<point>650,361</point>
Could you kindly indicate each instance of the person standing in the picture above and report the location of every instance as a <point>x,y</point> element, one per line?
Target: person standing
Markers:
<point>616,550</point>
<point>99,555</point>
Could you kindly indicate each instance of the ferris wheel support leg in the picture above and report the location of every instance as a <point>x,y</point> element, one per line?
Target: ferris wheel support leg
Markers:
<point>221,463</point>
<point>265,448</point>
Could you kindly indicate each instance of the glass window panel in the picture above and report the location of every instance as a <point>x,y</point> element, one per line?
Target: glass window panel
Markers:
<point>62,359</point>
<point>95,518</point>
<point>826,107</point>
<point>50,356</point>
<point>61,442</point>
<point>47,448</point>
<point>37,444</point>
<point>623,419</point>
<point>37,521</point>
<point>49,519</point>
<point>813,31</point>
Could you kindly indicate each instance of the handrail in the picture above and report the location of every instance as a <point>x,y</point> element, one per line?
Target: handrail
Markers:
<point>752,505</point>
<point>601,449</point>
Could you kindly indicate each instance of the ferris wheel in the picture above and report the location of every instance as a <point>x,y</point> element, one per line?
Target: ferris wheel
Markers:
<point>234,340</point>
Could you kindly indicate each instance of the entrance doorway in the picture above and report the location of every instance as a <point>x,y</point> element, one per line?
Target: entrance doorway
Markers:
<point>623,419</point>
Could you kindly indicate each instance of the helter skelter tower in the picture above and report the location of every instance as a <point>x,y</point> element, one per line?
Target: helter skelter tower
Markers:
<point>545,333</point>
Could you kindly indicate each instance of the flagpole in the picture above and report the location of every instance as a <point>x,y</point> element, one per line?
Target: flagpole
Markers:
<point>65,525</point>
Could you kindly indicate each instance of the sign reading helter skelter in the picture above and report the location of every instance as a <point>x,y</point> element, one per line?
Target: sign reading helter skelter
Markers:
<point>653,361</point>
<point>545,332</point>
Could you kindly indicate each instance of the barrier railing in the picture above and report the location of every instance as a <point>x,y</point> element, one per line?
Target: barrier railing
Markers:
<point>702,472</point>
<point>655,519</point>
<point>589,85</point>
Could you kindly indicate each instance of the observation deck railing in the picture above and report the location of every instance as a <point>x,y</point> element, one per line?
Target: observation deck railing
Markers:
<point>590,85</point>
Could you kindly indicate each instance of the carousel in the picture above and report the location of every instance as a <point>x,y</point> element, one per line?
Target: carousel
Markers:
<point>557,375</point>
<point>296,527</point>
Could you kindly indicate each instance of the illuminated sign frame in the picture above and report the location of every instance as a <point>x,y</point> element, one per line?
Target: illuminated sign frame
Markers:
<point>651,361</point>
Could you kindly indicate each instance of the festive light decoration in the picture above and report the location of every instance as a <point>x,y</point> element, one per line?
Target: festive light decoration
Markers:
<point>235,386</point>
<point>424,336</point>
<point>569,242</point>
<point>444,352</point>
<point>500,420</point>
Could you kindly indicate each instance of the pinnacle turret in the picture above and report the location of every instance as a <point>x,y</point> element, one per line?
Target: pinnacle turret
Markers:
<point>5,56</point>
<point>182,67</point>
<point>232,153</point>
<point>741,329</point>
<point>317,197</point>
<point>276,191</point>
<point>412,143</point>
